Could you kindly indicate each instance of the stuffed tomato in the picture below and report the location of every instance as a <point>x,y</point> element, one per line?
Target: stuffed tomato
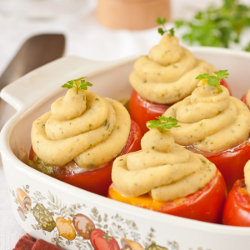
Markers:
<point>246,99</point>
<point>236,211</point>
<point>77,141</point>
<point>216,125</point>
<point>167,178</point>
<point>164,77</point>
<point>143,111</point>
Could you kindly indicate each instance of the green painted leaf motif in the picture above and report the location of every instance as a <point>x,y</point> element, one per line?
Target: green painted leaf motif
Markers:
<point>153,246</point>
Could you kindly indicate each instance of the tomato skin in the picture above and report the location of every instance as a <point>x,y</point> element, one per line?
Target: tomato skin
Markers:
<point>231,163</point>
<point>236,211</point>
<point>142,110</point>
<point>204,205</point>
<point>225,84</point>
<point>134,140</point>
<point>99,180</point>
<point>32,154</point>
<point>244,99</point>
<point>95,181</point>
<point>101,241</point>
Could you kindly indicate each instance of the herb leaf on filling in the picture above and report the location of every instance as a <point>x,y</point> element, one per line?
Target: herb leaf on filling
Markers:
<point>163,30</point>
<point>214,80</point>
<point>163,123</point>
<point>79,83</point>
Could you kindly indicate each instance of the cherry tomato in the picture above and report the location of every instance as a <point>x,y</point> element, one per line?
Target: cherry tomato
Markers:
<point>231,162</point>
<point>142,110</point>
<point>244,99</point>
<point>204,205</point>
<point>97,181</point>
<point>102,241</point>
<point>237,206</point>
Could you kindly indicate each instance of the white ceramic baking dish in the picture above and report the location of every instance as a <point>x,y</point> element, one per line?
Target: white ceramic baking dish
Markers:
<point>32,95</point>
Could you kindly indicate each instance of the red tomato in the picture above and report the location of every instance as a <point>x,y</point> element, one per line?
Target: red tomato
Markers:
<point>204,205</point>
<point>244,99</point>
<point>102,241</point>
<point>99,180</point>
<point>237,206</point>
<point>142,110</point>
<point>32,154</point>
<point>225,84</point>
<point>231,162</point>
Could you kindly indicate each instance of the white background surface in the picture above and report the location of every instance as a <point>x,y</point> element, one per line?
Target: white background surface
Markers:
<point>85,37</point>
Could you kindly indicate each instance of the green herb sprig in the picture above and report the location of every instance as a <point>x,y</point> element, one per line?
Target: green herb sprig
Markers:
<point>163,123</point>
<point>40,165</point>
<point>217,26</point>
<point>79,83</point>
<point>214,80</point>
<point>163,30</point>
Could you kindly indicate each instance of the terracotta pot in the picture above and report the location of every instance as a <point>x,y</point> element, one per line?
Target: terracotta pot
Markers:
<point>132,14</point>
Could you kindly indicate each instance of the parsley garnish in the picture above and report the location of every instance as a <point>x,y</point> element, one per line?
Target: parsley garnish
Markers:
<point>217,27</point>
<point>40,165</point>
<point>163,30</point>
<point>163,122</point>
<point>78,84</point>
<point>214,80</point>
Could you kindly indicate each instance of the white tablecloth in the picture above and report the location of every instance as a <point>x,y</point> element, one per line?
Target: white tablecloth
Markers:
<point>85,37</point>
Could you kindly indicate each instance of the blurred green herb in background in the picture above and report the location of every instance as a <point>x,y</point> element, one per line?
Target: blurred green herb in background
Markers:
<point>217,27</point>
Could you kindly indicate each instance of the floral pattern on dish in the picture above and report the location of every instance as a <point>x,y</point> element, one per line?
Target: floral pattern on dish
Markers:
<point>71,226</point>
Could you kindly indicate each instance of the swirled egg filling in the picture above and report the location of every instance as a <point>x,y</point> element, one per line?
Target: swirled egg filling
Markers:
<point>82,127</point>
<point>167,74</point>
<point>247,175</point>
<point>163,169</point>
<point>210,120</point>
<point>248,98</point>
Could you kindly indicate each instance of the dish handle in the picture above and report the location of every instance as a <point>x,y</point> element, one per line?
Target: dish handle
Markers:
<point>30,88</point>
